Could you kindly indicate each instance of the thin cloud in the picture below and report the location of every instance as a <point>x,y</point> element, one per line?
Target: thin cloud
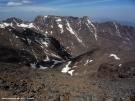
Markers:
<point>26,1</point>
<point>18,2</point>
<point>14,3</point>
<point>86,3</point>
<point>28,9</point>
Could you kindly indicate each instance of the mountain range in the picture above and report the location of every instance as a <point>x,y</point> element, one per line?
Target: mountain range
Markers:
<point>73,46</point>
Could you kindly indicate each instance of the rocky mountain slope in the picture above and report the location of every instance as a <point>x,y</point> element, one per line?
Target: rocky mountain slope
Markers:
<point>90,56</point>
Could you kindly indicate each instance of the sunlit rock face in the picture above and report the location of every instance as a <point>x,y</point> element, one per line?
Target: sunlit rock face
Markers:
<point>53,40</point>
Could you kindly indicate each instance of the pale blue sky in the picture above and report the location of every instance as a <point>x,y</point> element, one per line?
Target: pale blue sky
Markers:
<point>120,10</point>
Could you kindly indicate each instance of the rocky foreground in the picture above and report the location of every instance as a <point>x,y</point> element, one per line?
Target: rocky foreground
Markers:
<point>51,85</point>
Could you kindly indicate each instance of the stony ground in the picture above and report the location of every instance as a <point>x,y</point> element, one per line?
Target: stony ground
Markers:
<point>52,85</point>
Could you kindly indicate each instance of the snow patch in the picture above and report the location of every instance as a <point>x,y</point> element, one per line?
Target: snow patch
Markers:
<point>94,31</point>
<point>45,16</point>
<point>66,68</point>
<point>46,59</point>
<point>29,41</point>
<point>51,32</point>
<point>51,26</point>
<point>16,37</point>
<point>33,65</point>
<point>88,61</point>
<point>60,25</point>
<point>73,32</point>
<point>71,72</point>
<point>59,20</point>
<point>46,32</point>
<point>56,61</point>
<point>30,25</point>
<point>42,67</point>
<point>45,43</point>
<point>74,66</point>
<point>120,65</point>
<point>55,55</point>
<point>3,25</point>
<point>115,56</point>
<point>117,29</point>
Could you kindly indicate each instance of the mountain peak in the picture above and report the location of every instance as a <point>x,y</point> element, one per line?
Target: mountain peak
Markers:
<point>13,20</point>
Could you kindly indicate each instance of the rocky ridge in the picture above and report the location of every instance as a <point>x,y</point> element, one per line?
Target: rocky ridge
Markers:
<point>92,54</point>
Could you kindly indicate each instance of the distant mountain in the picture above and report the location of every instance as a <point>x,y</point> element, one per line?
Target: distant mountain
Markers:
<point>99,56</point>
<point>129,23</point>
<point>13,20</point>
<point>51,40</point>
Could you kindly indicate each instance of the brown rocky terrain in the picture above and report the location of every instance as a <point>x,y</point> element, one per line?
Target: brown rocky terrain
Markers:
<point>52,85</point>
<point>56,58</point>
